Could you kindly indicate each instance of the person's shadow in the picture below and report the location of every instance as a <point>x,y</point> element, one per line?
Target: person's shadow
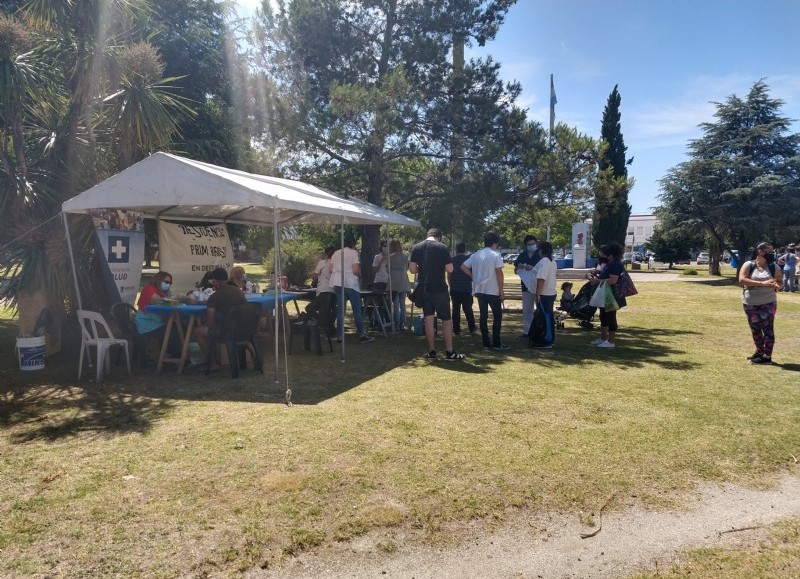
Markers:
<point>790,367</point>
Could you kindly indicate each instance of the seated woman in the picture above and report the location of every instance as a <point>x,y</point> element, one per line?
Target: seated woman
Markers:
<point>238,278</point>
<point>151,324</point>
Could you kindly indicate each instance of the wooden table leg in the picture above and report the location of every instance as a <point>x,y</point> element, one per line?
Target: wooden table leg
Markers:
<point>186,338</point>
<point>165,343</point>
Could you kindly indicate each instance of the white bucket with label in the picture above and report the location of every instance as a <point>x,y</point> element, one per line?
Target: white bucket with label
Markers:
<point>31,353</point>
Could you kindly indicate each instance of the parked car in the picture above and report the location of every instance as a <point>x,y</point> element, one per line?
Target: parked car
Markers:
<point>702,258</point>
<point>510,257</point>
<point>639,256</point>
<point>627,258</point>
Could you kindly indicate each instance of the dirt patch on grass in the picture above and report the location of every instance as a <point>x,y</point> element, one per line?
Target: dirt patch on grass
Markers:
<point>550,546</point>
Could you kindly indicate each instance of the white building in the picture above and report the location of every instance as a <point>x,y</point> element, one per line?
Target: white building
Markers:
<point>640,230</point>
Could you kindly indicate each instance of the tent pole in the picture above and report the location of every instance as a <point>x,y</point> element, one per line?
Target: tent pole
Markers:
<point>389,284</point>
<point>72,261</point>
<point>276,248</point>
<point>342,303</point>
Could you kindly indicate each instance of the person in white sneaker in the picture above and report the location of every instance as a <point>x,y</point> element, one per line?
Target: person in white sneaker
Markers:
<point>612,254</point>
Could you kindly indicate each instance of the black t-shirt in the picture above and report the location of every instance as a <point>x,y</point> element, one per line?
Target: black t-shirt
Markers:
<point>225,297</point>
<point>431,263</point>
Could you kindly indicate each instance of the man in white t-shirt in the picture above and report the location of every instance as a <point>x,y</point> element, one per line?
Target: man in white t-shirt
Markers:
<point>345,270</point>
<point>485,267</point>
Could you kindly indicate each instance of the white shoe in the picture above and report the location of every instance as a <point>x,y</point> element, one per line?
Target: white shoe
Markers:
<point>606,344</point>
<point>597,341</point>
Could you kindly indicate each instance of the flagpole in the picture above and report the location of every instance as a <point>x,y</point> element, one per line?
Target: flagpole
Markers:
<point>553,101</point>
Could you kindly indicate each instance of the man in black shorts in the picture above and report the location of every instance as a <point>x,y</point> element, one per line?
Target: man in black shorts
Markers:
<point>430,261</point>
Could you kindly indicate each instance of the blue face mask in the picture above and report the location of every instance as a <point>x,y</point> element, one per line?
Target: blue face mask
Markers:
<point>532,247</point>
<point>165,286</point>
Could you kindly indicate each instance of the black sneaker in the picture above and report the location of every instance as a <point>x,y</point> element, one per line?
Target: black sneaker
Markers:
<point>501,347</point>
<point>454,356</point>
<point>430,355</point>
<point>761,359</point>
<point>365,339</point>
<point>754,356</point>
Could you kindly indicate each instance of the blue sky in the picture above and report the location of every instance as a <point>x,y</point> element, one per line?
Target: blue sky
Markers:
<point>670,58</point>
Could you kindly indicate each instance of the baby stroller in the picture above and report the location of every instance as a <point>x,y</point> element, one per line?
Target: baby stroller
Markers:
<point>578,307</point>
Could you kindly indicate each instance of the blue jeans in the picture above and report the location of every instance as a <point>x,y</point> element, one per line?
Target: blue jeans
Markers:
<point>788,280</point>
<point>547,303</point>
<point>399,307</point>
<point>485,301</point>
<point>354,297</point>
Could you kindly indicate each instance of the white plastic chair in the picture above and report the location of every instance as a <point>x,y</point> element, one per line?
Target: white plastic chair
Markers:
<point>97,334</point>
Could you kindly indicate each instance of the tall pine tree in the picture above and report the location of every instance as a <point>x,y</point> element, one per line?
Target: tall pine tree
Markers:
<point>611,207</point>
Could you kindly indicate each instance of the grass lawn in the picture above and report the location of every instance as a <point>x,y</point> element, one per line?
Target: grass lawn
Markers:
<point>171,476</point>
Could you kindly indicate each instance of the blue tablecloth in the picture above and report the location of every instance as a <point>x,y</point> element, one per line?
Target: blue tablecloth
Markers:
<point>267,301</point>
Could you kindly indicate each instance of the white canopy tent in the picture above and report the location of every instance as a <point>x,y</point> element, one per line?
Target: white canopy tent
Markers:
<point>166,186</point>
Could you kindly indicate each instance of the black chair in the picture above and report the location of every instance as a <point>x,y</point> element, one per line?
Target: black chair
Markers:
<point>308,327</point>
<point>237,331</point>
<point>123,316</point>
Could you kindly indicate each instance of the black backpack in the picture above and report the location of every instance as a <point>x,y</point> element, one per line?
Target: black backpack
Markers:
<point>537,333</point>
<point>752,264</point>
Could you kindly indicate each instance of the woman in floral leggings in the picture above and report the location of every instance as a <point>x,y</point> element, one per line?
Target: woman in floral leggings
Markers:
<point>760,279</point>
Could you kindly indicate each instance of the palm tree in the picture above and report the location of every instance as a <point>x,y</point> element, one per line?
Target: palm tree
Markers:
<point>84,103</point>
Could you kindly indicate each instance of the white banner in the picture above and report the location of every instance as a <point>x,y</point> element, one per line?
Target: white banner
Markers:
<point>189,251</point>
<point>121,236</point>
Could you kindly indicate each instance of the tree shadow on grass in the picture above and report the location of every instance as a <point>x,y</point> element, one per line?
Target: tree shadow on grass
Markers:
<point>52,404</point>
<point>636,348</point>
<point>717,281</point>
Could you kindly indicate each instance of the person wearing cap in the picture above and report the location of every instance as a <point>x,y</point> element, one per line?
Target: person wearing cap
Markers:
<point>224,297</point>
<point>527,260</point>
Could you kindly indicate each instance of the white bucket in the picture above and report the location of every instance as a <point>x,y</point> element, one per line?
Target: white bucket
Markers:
<point>31,353</point>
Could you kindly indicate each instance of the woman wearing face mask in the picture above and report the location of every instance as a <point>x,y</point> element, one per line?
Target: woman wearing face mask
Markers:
<point>152,324</point>
<point>527,260</point>
<point>760,278</point>
<point>609,270</point>
<point>380,265</point>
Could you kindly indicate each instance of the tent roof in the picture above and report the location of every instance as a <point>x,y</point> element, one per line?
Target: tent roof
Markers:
<point>170,187</point>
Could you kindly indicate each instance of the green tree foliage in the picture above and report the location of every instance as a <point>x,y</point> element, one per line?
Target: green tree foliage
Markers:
<point>192,38</point>
<point>611,209</point>
<point>741,184</point>
<point>367,90</point>
<point>79,98</point>
<point>549,185</point>
<point>671,243</point>
<point>297,260</point>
